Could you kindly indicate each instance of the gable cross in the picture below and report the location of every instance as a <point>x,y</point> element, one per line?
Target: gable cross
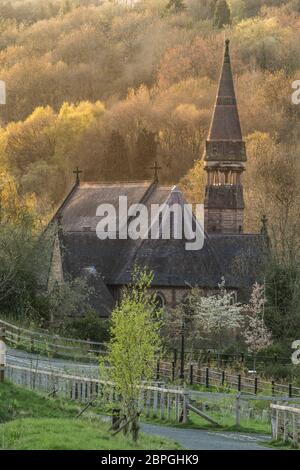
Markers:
<point>156,168</point>
<point>77,172</point>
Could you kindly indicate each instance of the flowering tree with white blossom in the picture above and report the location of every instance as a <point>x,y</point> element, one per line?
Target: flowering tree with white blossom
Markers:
<point>218,313</point>
<point>256,334</point>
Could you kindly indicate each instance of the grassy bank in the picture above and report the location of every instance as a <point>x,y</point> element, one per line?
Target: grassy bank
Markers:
<point>30,421</point>
<point>227,423</point>
<point>71,434</point>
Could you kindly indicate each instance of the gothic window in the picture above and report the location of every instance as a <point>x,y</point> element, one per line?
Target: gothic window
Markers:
<point>160,301</point>
<point>233,299</point>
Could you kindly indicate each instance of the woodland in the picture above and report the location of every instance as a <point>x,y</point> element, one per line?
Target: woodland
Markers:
<point>112,86</point>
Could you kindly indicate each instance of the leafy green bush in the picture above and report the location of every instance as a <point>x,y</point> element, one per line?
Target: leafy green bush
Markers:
<point>90,327</point>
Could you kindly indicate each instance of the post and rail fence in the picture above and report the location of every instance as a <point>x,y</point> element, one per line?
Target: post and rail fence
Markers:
<point>51,345</point>
<point>155,400</point>
<point>208,377</point>
<point>40,341</point>
<point>168,371</point>
<point>286,423</point>
<point>2,354</point>
<point>160,401</point>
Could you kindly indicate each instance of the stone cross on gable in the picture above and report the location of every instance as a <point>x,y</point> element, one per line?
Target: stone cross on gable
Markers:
<point>77,172</point>
<point>156,168</point>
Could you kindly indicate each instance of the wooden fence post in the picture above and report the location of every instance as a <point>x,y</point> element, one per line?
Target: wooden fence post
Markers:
<point>185,398</point>
<point>173,371</point>
<point>238,409</point>
<point>239,383</point>
<point>207,377</point>
<point>290,390</point>
<point>191,374</point>
<point>31,341</point>
<point>273,423</point>
<point>169,407</point>
<point>162,405</point>
<point>255,385</point>
<point>295,431</point>
<point>2,354</point>
<point>148,403</point>
<point>157,370</point>
<point>177,408</point>
<point>175,357</point>
<point>277,430</point>
<point>199,378</point>
<point>55,346</point>
<point>285,426</point>
<point>223,378</point>
<point>155,402</point>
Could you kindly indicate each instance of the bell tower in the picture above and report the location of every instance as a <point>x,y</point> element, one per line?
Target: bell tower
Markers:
<point>224,160</point>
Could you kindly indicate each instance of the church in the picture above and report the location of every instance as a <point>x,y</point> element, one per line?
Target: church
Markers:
<point>227,251</point>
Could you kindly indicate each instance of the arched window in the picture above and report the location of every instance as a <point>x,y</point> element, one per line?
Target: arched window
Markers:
<point>160,301</point>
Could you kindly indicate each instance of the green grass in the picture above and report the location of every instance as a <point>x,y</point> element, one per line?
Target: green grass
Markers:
<point>71,434</point>
<point>31,421</point>
<point>280,445</point>
<point>17,402</point>
<point>227,423</point>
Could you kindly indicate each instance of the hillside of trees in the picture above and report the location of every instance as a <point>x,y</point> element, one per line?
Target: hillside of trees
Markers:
<point>111,86</point>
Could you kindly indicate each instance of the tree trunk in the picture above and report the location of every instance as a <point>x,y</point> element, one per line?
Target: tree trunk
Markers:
<point>135,429</point>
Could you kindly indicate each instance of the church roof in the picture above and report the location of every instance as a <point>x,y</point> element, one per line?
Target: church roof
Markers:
<point>237,257</point>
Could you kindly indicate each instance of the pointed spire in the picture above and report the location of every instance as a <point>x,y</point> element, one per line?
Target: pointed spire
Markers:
<point>224,159</point>
<point>225,123</point>
<point>225,141</point>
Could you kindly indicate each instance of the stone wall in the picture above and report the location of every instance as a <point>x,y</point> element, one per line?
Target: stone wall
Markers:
<point>56,270</point>
<point>224,220</point>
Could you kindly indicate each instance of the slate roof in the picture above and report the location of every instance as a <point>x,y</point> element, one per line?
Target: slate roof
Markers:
<point>237,257</point>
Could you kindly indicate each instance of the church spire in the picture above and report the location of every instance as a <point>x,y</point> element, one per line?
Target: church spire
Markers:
<point>224,159</point>
<point>225,124</point>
